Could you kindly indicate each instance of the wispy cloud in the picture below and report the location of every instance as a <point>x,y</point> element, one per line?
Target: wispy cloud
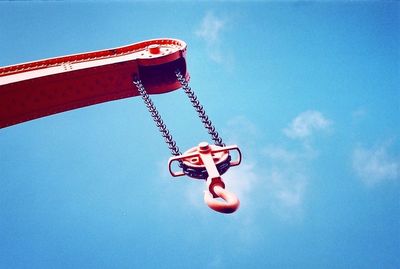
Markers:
<point>240,130</point>
<point>216,262</point>
<point>272,178</point>
<point>359,113</point>
<point>280,154</point>
<point>210,32</point>
<point>375,165</point>
<point>210,28</point>
<point>305,124</point>
<point>241,181</point>
<point>287,179</point>
<point>287,189</point>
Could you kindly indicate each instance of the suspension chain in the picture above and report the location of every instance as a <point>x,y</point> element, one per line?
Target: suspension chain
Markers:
<point>200,110</point>
<point>160,123</point>
<point>157,118</point>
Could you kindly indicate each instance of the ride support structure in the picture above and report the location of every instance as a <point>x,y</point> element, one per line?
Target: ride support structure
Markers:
<point>37,89</point>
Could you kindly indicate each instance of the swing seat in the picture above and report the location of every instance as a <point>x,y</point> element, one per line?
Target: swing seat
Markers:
<point>36,89</point>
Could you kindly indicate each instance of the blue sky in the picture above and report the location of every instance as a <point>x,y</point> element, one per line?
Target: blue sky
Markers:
<point>308,90</point>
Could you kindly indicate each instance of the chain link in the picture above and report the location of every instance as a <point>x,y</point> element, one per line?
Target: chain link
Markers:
<point>160,123</point>
<point>200,110</point>
<point>157,118</point>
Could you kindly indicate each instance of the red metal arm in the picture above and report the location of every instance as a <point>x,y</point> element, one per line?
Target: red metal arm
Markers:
<point>37,89</point>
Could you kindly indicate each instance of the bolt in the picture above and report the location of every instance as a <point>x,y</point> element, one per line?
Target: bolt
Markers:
<point>204,147</point>
<point>154,49</point>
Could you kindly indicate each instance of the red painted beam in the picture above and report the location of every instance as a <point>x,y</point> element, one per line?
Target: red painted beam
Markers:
<point>36,89</point>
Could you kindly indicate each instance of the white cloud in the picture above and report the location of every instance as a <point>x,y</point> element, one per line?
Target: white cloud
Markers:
<point>241,181</point>
<point>240,130</point>
<point>288,191</point>
<point>210,32</point>
<point>375,165</point>
<point>277,181</point>
<point>280,188</point>
<point>286,179</point>
<point>359,113</point>
<point>242,123</point>
<point>306,123</point>
<point>271,178</point>
<point>276,153</point>
<point>210,28</point>
<point>216,262</point>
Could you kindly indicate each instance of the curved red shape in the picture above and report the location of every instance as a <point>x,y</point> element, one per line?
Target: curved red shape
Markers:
<point>36,89</point>
<point>229,204</point>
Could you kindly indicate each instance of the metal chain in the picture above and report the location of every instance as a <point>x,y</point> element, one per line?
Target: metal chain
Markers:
<point>157,118</point>
<point>200,110</point>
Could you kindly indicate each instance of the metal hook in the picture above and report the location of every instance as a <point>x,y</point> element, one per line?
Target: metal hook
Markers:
<point>216,190</point>
<point>210,158</point>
